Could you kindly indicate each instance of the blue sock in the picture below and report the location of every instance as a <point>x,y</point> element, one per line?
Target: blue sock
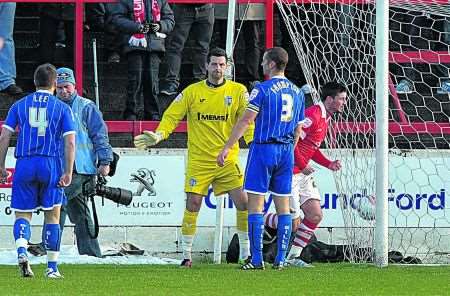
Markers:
<point>255,234</point>
<point>52,244</point>
<point>22,234</point>
<point>283,236</point>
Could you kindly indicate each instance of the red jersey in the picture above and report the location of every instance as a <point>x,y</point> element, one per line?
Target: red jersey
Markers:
<point>315,127</point>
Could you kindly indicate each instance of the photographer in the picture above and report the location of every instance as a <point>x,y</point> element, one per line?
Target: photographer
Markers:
<point>92,146</point>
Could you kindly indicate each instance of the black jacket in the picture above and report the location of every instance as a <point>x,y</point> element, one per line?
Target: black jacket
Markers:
<point>63,12</point>
<point>94,12</point>
<point>123,20</point>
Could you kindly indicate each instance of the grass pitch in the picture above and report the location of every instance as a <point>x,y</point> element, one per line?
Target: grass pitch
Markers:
<point>208,279</point>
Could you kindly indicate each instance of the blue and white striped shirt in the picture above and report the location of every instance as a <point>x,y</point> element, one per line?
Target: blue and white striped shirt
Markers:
<point>280,105</point>
<point>42,120</point>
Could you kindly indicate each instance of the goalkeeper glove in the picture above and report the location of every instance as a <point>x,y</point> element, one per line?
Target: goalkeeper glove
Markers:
<point>147,139</point>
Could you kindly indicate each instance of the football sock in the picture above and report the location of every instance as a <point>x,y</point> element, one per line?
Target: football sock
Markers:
<point>52,244</point>
<point>186,245</point>
<point>22,234</point>
<point>255,233</point>
<point>295,252</point>
<point>302,238</point>
<point>271,220</point>
<point>188,229</point>
<point>283,234</point>
<point>242,231</point>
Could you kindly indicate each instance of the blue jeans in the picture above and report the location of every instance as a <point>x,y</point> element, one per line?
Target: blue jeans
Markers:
<point>7,58</point>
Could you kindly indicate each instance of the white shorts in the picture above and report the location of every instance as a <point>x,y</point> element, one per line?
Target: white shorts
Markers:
<point>303,188</point>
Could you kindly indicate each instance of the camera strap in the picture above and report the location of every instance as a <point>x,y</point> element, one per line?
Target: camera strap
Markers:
<point>94,216</point>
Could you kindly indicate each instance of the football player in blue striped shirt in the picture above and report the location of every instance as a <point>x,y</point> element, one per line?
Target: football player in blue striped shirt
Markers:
<point>277,106</point>
<point>46,132</point>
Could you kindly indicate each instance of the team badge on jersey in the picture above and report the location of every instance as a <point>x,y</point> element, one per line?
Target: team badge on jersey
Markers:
<point>228,100</point>
<point>246,96</point>
<point>253,94</point>
<point>192,182</point>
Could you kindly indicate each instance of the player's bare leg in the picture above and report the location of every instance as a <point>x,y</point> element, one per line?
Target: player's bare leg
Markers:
<point>22,234</point>
<point>240,200</point>
<point>189,226</point>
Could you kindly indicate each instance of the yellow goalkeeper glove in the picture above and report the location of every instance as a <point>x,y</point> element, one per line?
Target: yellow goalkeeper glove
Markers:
<point>147,139</point>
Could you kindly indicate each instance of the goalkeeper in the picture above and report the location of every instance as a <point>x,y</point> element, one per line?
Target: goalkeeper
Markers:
<point>212,107</point>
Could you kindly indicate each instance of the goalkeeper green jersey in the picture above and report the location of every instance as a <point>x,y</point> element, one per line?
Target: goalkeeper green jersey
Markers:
<point>211,113</point>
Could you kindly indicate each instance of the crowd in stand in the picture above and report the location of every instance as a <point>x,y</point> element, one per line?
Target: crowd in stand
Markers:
<point>144,32</point>
<point>149,32</point>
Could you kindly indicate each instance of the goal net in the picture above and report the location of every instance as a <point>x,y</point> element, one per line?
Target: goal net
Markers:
<point>335,40</point>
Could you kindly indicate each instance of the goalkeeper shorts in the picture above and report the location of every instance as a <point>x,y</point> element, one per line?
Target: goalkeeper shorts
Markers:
<point>199,176</point>
<point>303,189</point>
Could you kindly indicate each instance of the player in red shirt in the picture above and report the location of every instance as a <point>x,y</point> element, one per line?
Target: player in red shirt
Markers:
<point>305,194</point>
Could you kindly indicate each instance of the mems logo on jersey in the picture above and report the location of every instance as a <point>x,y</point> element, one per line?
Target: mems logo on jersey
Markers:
<point>9,179</point>
<point>212,117</point>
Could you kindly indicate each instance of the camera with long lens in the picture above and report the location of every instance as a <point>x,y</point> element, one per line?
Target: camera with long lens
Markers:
<point>115,194</point>
<point>99,188</point>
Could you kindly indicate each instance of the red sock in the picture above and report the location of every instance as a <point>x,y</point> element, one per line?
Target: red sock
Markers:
<point>304,233</point>
<point>271,220</point>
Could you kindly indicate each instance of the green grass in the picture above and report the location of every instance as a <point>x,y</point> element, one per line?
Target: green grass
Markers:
<point>208,279</point>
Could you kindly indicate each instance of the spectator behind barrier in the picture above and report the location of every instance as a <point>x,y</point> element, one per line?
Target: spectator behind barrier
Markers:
<point>143,33</point>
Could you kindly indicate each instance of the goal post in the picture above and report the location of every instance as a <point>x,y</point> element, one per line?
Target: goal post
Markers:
<point>382,132</point>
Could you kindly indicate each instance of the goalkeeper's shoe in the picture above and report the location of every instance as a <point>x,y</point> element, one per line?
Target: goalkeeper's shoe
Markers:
<point>186,263</point>
<point>52,274</point>
<point>251,266</point>
<point>147,139</point>
<point>297,262</point>
<point>24,266</point>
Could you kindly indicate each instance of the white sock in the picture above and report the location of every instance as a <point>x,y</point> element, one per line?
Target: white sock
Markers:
<point>21,243</point>
<point>294,252</point>
<point>186,245</point>
<point>244,244</point>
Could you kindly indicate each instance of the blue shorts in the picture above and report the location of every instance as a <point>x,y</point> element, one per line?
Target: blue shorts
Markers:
<point>269,169</point>
<point>35,184</point>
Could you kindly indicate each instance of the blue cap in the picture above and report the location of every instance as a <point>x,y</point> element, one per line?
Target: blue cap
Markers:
<point>65,75</point>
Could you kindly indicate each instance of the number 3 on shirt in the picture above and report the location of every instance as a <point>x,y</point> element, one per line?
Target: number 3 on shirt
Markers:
<point>287,109</point>
<point>38,118</point>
